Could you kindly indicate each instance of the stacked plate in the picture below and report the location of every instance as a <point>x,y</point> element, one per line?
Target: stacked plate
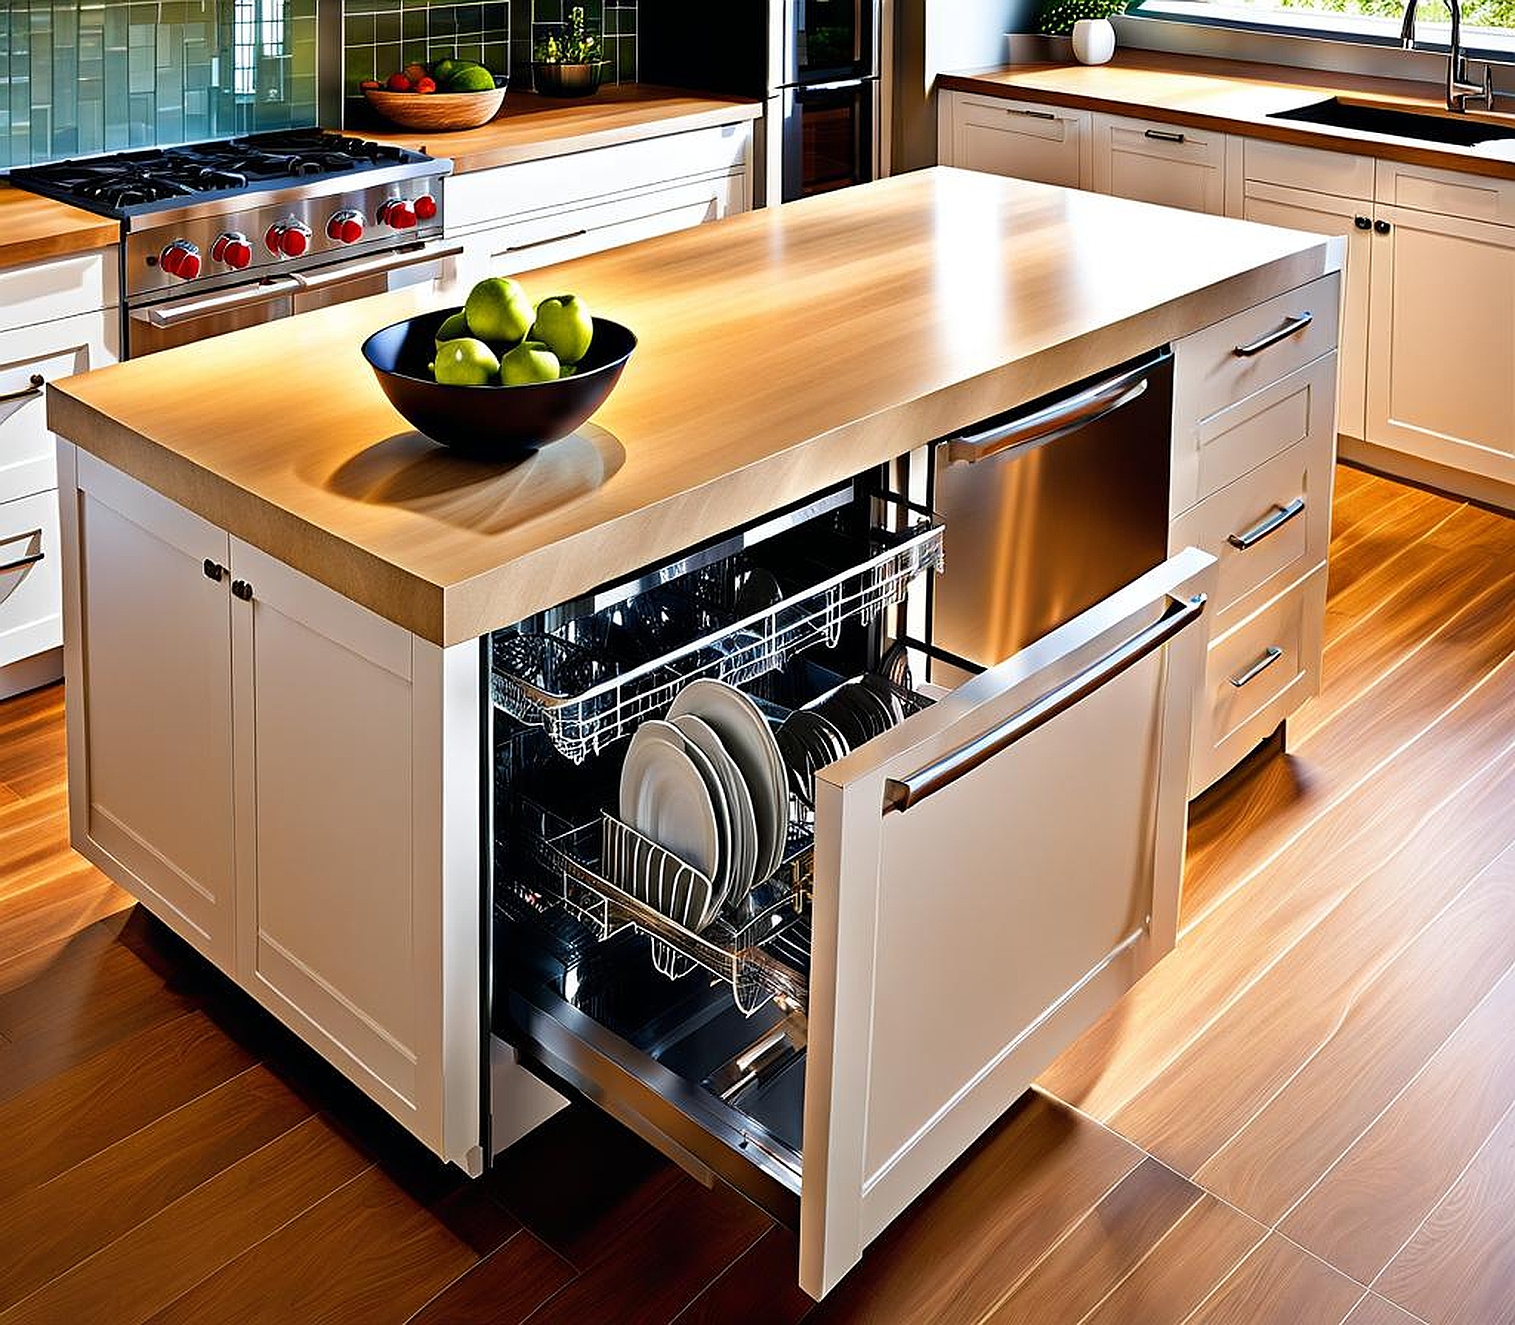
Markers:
<point>825,731</point>
<point>708,785</point>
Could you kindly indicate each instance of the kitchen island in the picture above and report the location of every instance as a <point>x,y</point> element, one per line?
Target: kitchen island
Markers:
<point>299,734</point>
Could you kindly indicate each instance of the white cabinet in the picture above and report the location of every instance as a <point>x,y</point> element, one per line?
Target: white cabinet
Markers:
<point>1048,144</point>
<point>1170,164</point>
<point>288,781</point>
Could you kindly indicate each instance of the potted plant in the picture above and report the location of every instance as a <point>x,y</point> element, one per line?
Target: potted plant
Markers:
<point>1089,23</point>
<point>567,62</point>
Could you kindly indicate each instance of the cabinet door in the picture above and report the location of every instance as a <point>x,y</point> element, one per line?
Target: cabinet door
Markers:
<point>357,814</point>
<point>31,608</point>
<point>148,644</point>
<point>1350,218</point>
<point>1163,163</point>
<point>990,876</point>
<point>1048,144</point>
<point>1441,340</point>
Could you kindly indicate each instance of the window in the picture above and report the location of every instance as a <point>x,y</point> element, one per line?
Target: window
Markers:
<point>1486,23</point>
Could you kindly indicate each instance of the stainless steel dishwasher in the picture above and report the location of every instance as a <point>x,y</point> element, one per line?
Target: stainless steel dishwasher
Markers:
<point>1050,509</point>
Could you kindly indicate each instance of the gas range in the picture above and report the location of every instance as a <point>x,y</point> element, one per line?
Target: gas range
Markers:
<point>285,212</point>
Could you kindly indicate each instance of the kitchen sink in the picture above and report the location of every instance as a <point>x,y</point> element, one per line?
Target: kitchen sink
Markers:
<point>1452,129</point>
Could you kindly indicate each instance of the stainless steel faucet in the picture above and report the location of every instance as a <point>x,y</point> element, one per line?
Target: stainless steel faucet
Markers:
<point>1459,90</point>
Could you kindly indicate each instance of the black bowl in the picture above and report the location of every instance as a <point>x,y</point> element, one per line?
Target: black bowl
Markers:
<point>492,422</point>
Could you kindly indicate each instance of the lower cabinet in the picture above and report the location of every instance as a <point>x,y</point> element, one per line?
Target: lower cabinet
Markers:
<point>287,781</point>
<point>1048,144</point>
<point>1170,164</point>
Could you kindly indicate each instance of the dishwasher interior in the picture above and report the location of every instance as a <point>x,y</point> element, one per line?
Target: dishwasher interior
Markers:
<point>595,985</point>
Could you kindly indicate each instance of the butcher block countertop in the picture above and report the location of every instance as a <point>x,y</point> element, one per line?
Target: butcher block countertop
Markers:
<point>531,127</point>
<point>33,228</point>
<point>1233,96</point>
<point>781,351</point>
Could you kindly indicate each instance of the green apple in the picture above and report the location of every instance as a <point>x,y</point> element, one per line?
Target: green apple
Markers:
<point>454,328</point>
<point>530,361</point>
<point>564,324</point>
<point>465,362</point>
<point>498,309</point>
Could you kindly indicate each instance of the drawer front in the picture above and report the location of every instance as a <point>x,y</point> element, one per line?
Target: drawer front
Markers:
<point>62,287</point>
<point>1308,168</point>
<point>1021,140</point>
<point>1256,675</point>
<point>1446,192</point>
<point>1268,527</point>
<point>1169,164</point>
<point>487,197</point>
<point>29,359</point>
<point>1227,362</point>
<point>31,595</point>
<point>543,241</point>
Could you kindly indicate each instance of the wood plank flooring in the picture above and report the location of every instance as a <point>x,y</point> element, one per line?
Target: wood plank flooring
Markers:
<point>1307,1113</point>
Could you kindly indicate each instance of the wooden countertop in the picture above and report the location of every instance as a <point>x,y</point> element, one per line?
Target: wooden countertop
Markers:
<point>1234,96</point>
<point>34,228</point>
<point>530,126</point>
<point>781,351</point>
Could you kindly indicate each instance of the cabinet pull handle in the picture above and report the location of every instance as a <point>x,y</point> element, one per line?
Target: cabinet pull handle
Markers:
<point>242,589</point>
<point>1363,222</point>
<point>542,243</point>
<point>1269,524</point>
<point>1030,114</point>
<point>31,559</point>
<point>214,570</point>
<point>902,793</point>
<point>1383,227</point>
<point>1270,656</point>
<point>1165,136</point>
<point>33,388</point>
<point>1273,337</point>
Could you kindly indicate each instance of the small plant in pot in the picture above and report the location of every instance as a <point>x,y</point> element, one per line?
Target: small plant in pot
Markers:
<point>568,61</point>
<point>1088,22</point>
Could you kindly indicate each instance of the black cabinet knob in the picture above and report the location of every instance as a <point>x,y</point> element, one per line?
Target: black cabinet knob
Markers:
<point>214,570</point>
<point>242,589</point>
<point>1383,227</point>
<point>1362,222</point>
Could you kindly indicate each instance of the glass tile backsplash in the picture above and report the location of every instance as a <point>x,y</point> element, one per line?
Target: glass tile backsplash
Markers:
<point>84,76</point>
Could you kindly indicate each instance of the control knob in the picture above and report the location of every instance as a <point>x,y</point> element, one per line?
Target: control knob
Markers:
<point>181,259</point>
<point>346,227</point>
<point>426,207</point>
<point>232,249</point>
<point>398,214</point>
<point>287,239</point>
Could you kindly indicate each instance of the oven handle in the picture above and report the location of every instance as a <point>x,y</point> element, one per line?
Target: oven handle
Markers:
<point>840,86</point>
<point>1046,425</point>
<point>180,311</point>
<point>318,278</point>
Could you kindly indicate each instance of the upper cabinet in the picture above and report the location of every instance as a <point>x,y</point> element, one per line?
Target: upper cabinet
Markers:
<point>1169,164</point>
<point>1049,144</point>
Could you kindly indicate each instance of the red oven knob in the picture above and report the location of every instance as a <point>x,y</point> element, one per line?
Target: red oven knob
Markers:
<point>232,249</point>
<point>287,239</point>
<point>346,227</point>
<point>181,259</point>
<point>398,214</point>
<point>426,207</point>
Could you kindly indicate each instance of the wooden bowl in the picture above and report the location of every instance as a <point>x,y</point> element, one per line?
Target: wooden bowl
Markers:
<point>437,112</point>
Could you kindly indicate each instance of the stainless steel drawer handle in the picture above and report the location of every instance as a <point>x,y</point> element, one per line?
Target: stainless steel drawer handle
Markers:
<point>1163,136</point>
<point>1270,656</point>
<point>31,559</point>
<point>902,793</point>
<point>1046,425</point>
<point>1269,524</point>
<point>34,387</point>
<point>1030,114</point>
<point>1273,337</point>
<point>542,243</point>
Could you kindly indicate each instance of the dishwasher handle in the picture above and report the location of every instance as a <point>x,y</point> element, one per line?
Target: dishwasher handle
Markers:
<point>1053,421</point>
<point>902,793</point>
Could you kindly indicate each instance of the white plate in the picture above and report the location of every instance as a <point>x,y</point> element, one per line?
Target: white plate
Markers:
<point>744,832</point>
<point>664,796</point>
<point>745,733</point>
<point>721,881</point>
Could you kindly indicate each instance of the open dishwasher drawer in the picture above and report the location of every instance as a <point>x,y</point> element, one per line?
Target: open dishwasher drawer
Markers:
<point>970,889</point>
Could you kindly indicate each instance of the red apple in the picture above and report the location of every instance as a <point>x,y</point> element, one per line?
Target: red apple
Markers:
<point>398,83</point>
<point>425,85</point>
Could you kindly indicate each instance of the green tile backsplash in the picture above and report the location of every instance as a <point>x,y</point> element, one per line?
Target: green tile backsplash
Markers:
<point>84,76</point>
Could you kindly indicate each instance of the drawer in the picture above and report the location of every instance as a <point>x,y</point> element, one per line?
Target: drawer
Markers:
<point>1308,168</point>
<point>31,594</point>
<point>1023,140</point>
<point>29,359</point>
<point>1256,675</point>
<point>1445,192</point>
<point>485,198</point>
<point>62,287</point>
<point>1169,164</point>
<point>1218,368</point>
<point>1268,527</point>
<point>545,240</point>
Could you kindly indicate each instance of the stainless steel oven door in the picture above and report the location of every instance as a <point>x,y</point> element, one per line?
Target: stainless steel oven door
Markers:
<point>165,324</point>
<point>826,40</point>
<point>830,137</point>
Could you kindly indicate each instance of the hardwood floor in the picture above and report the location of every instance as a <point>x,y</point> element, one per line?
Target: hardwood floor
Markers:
<point>1307,1113</point>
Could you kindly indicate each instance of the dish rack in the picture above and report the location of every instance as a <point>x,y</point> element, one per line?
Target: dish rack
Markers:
<point>763,955</point>
<point>586,700</point>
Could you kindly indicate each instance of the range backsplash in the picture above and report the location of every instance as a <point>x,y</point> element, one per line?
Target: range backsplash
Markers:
<point>87,76</point>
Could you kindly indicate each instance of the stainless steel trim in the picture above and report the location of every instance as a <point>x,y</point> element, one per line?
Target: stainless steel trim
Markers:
<point>1288,329</point>
<point>31,559</point>
<point>34,387</point>
<point>1048,424</point>
<point>1269,524</point>
<point>318,278</point>
<point>177,312</point>
<point>542,243</point>
<point>1163,136</point>
<point>1270,656</point>
<point>902,793</point>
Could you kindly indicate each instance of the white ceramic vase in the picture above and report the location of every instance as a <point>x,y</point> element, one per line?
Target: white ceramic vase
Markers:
<point>1093,40</point>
